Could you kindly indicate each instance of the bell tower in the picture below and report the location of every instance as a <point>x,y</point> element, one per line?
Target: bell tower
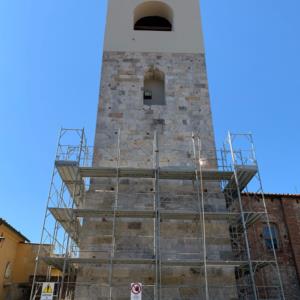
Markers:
<point>154,136</point>
<point>154,73</point>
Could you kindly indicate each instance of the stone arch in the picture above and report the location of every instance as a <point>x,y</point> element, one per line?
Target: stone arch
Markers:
<point>153,16</point>
<point>154,87</point>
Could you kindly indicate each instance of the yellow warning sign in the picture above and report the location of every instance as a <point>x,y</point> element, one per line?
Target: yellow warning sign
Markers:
<point>47,291</point>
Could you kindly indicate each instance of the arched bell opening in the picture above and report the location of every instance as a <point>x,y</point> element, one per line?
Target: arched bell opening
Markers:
<point>153,16</point>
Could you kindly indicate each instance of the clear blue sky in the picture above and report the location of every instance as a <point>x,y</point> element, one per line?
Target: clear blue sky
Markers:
<point>50,59</point>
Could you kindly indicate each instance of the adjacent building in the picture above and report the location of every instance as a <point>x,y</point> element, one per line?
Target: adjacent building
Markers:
<point>284,214</point>
<point>17,263</point>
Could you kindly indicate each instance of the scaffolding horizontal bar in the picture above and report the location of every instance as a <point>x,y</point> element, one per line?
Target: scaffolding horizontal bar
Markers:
<point>68,214</point>
<point>59,262</point>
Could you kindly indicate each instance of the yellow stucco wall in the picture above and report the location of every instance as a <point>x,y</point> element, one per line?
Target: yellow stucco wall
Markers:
<point>21,256</point>
<point>8,251</point>
<point>25,262</point>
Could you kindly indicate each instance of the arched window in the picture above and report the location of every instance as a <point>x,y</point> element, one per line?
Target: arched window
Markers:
<point>8,270</point>
<point>153,16</point>
<point>154,87</point>
<point>271,234</point>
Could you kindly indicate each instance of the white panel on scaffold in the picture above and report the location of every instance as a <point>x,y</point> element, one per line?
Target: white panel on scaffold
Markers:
<point>136,291</point>
<point>47,291</point>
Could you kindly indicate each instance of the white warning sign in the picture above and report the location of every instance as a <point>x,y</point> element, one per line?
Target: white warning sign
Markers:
<point>47,291</point>
<point>136,291</point>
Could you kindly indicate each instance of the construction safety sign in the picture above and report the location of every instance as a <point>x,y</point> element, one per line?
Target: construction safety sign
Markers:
<point>47,291</point>
<point>136,291</point>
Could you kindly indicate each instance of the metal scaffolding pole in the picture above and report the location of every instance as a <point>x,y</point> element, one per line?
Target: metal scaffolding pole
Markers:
<point>67,249</point>
<point>157,220</point>
<point>32,294</point>
<point>268,218</point>
<point>113,251</point>
<point>243,218</point>
<point>54,236</point>
<point>200,201</point>
<point>202,211</point>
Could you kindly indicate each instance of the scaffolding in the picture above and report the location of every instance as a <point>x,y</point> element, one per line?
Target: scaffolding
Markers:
<point>230,172</point>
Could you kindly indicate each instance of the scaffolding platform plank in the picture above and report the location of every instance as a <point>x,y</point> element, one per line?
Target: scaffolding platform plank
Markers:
<point>59,262</point>
<point>250,219</point>
<point>73,175</point>
<point>67,216</point>
<point>171,173</point>
<point>245,173</point>
<point>69,173</point>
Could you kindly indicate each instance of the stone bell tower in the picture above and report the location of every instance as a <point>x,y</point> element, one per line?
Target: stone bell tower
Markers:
<point>153,74</point>
<point>154,135</point>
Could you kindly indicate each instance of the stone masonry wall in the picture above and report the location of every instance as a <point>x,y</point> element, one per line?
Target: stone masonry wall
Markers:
<point>121,106</point>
